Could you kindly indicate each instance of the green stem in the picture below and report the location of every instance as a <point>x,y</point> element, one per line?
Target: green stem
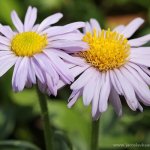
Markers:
<point>46,121</point>
<point>95,135</point>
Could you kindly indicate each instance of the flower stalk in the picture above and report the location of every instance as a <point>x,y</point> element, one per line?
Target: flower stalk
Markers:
<point>46,121</point>
<point>95,135</point>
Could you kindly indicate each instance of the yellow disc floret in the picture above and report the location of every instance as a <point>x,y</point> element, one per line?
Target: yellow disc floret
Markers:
<point>28,43</point>
<point>107,49</point>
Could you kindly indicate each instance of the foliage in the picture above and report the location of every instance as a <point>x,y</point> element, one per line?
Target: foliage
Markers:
<point>20,114</point>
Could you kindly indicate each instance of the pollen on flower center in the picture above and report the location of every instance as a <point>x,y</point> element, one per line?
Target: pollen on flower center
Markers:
<point>28,43</point>
<point>107,49</point>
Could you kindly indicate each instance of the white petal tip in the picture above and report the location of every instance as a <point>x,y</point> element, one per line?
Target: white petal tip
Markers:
<point>140,19</point>
<point>60,15</point>
<point>85,103</point>
<point>119,113</point>
<point>69,105</point>
<point>81,24</point>
<point>141,110</point>
<point>93,20</point>
<point>72,87</point>
<point>13,12</point>
<point>103,108</point>
<point>96,116</point>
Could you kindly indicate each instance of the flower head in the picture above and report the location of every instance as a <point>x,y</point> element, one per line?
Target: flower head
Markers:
<point>107,50</point>
<point>113,66</point>
<point>39,51</point>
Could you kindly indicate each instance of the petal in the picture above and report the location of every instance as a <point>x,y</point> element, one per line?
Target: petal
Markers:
<point>35,27</point>
<point>18,61</point>
<point>31,73</point>
<point>89,89</point>
<point>51,86</point>
<point>42,87</point>
<point>6,31</point>
<point>83,79</point>
<point>68,36</point>
<point>21,74</point>
<point>75,49</point>
<point>52,30</point>
<point>95,25</point>
<point>64,44</point>
<point>5,53</point>
<point>49,20</point>
<point>60,84</point>
<point>87,28</point>
<point>140,56</point>
<point>139,41</point>
<point>4,47</point>
<point>115,82</point>
<point>140,107</point>
<point>65,29</point>
<point>128,90</point>
<point>73,98</point>
<point>38,71</point>
<point>97,116</point>
<point>115,101</point>
<point>141,50</point>
<point>119,28</point>
<point>6,64</point>
<point>59,65</point>
<point>27,16</point>
<point>95,101</point>
<point>68,58</point>
<point>78,70</point>
<point>131,28</point>
<point>139,70</point>
<point>16,21</point>
<point>146,70</point>
<point>105,91</point>
<point>28,83</point>
<point>4,40</point>
<point>45,64</point>
<point>141,88</point>
<point>30,18</point>
<point>141,61</point>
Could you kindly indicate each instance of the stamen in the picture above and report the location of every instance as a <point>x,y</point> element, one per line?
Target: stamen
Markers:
<point>28,43</point>
<point>108,49</point>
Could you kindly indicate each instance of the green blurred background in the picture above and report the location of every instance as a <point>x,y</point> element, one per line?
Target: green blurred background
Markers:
<point>20,113</point>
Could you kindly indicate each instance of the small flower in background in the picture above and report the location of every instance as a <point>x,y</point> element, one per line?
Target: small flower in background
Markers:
<point>113,66</point>
<point>39,51</point>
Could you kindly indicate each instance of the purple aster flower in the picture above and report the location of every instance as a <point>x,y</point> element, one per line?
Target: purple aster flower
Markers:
<point>39,52</point>
<point>113,66</point>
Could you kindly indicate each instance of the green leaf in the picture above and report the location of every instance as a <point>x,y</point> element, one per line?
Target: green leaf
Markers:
<point>75,121</point>
<point>6,6</point>
<point>47,4</point>
<point>27,97</point>
<point>7,121</point>
<point>62,141</point>
<point>17,145</point>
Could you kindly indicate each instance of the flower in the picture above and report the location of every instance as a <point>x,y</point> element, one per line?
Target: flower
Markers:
<point>113,66</point>
<point>40,52</point>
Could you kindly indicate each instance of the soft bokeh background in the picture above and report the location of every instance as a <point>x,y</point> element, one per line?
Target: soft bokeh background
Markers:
<point>20,114</point>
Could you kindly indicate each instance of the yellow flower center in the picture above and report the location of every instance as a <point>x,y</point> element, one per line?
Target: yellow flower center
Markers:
<point>107,49</point>
<point>28,43</point>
